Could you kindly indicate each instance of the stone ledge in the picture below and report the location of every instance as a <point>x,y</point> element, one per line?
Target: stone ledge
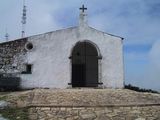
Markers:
<point>115,105</point>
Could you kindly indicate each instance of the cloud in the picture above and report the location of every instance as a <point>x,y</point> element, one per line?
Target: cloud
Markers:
<point>155,54</point>
<point>153,71</point>
<point>8,18</point>
<point>40,19</point>
<point>136,20</point>
<point>142,68</point>
<point>131,19</point>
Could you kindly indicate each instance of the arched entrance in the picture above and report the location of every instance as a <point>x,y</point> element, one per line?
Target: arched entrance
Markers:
<point>84,65</point>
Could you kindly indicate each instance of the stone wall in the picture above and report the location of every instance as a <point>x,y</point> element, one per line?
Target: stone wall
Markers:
<point>12,56</point>
<point>94,104</point>
<point>96,113</point>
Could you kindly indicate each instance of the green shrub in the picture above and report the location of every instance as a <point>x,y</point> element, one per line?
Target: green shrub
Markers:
<point>15,113</point>
<point>131,87</point>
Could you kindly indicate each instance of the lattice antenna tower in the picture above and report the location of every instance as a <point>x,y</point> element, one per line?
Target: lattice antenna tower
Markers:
<point>24,18</point>
<point>6,35</point>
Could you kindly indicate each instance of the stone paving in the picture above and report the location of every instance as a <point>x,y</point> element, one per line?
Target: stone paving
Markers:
<point>92,97</point>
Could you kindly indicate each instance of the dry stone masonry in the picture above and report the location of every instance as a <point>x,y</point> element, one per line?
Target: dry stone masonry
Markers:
<point>12,63</point>
<point>93,104</point>
<point>12,56</point>
<point>96,113</point>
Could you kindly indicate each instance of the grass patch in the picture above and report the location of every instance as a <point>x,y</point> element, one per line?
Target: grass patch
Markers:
<point>3,98</point>
<point>15,113</point>
<point>3,95</point>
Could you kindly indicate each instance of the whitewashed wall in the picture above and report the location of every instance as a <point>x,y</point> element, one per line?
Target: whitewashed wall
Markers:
<point>52,67</point>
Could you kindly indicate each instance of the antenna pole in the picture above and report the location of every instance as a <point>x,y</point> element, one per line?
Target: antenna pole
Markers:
<point>24,17</point>
<point>6,35</point>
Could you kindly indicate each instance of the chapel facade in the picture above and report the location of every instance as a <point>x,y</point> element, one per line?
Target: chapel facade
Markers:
<point>74,57</point>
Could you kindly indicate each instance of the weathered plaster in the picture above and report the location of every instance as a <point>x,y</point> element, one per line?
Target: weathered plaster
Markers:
<point>51,63</point>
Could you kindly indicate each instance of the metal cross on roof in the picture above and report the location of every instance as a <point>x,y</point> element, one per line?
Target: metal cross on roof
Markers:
<point>83,8</point>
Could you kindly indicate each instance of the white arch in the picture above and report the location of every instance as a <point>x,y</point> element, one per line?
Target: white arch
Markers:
<point>99,61</point>
<point>88,41</point>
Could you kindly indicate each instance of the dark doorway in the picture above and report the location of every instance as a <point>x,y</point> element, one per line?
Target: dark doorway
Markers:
<point>84,65</point>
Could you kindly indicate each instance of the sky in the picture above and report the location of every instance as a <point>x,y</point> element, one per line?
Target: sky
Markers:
<point>137,21</point>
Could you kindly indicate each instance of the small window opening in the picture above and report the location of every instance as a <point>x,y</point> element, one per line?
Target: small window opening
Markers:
<point>28,69</point>
<point>29,46</point>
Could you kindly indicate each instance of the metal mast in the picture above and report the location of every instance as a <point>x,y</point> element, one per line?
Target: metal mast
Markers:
<point>6,35</point>
<point>24,17</point>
